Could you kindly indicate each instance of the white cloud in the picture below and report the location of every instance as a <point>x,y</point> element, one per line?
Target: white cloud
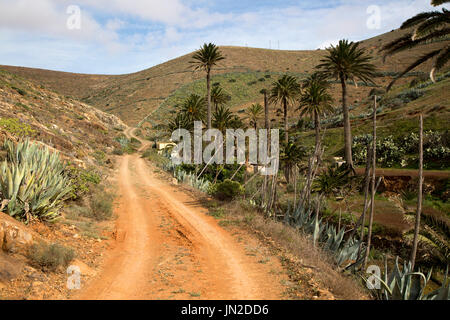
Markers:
<point>127,35</point>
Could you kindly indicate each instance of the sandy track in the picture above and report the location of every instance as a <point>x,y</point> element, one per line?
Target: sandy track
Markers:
<point>166,247</point>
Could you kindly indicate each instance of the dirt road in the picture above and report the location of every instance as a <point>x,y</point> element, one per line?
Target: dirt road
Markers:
<point>166,247</point>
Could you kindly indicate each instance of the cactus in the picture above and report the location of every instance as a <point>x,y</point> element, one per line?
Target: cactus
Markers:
<point>32,182</point>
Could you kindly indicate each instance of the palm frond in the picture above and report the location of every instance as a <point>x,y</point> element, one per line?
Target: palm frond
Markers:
<point>442,59</point>
<point>431,25</point>
<point>414,65</point>
<point>404,43</point>
<point>418,19</point>
<point>438,2</point>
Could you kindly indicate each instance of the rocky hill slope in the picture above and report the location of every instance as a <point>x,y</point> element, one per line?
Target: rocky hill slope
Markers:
<point>133,96</point>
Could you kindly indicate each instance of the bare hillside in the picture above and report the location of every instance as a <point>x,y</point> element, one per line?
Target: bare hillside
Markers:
<point>134,96</point>
<point>75,128</point>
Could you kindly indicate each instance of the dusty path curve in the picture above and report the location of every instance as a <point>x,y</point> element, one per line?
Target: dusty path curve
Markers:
<point>166,247</point>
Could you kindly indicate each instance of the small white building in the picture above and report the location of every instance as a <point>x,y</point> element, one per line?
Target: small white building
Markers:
<point>339,161</point>
<point>161,146</point>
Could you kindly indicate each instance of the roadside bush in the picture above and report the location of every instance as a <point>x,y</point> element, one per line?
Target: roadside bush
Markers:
<point>118,151</point>
<point>159,159</point>
<point>101,204</point>
<point>128,146</point>
<point>50,256</point>
<point>99,156</point>
<point>228,190</point>
<point>81,180</point>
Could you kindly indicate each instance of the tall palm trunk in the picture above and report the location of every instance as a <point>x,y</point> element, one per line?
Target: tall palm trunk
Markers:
<point>419,196</point>
<point>267,127</point>
<point>317,129</point>
<point>208,89</point>
<point>286,125</point>
<point>374,167</point>
<point>366,198</point>
<point>347,127</point>
<point>255,166</point>
<point>266,111</point>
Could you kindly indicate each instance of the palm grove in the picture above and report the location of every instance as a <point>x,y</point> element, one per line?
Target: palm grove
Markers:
<point>346,63</point>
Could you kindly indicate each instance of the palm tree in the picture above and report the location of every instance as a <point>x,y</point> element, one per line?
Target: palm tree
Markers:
<point>219,96</point>
<point>180,121</point>
<point>291,154</point>
<point>285,91</point>
<point>428,27</point>
<point>254,113</point>
<point>194,108</point>
<point>223,119</point>
<point>347,61</point>
<point>236,123</point>
<point>316,101</point>
<point>205,59</point>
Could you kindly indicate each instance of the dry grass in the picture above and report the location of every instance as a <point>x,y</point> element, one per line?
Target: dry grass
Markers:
<point>296,250</point>
<point>50,256</point>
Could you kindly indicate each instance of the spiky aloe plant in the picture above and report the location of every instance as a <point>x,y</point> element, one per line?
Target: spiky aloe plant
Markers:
<point>345,252</point>
<point>405,284</point>
<point>32,182</point>
<point>192,180</point>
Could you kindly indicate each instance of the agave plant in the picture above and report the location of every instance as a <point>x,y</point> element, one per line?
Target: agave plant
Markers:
<point>32,182</point>
<point>192,180</point>
<point>345,252</point>
<point>405,284</point>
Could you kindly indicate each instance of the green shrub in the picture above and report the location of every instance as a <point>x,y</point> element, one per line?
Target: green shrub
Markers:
<point>20,91</point>
<point>403,151</point>
<point>128,146</point>
<point>81,180</point>
<point>135,141</point>
<point>156,158</point>
<point>50,256</point>
<point>101,204</point>
<point>118,151</point>
<point>32,181</point>
<point>13,126</point>
<point>99,156</point>
<point>228,190</point>
<point>410,95</point>
<point>24,106</point>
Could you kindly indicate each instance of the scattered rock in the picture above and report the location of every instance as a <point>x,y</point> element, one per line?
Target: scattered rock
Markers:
<point>10,268</point>
<point>13,236</point>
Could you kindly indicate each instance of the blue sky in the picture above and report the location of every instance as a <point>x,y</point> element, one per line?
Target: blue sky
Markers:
<point>123,36</point>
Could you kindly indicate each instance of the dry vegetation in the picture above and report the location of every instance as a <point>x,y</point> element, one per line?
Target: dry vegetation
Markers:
<point>74,128</point>
<point>309,266</point>
<point>134,96</point>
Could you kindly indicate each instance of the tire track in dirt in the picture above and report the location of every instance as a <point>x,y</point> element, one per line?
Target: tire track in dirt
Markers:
<point>166,247</point>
